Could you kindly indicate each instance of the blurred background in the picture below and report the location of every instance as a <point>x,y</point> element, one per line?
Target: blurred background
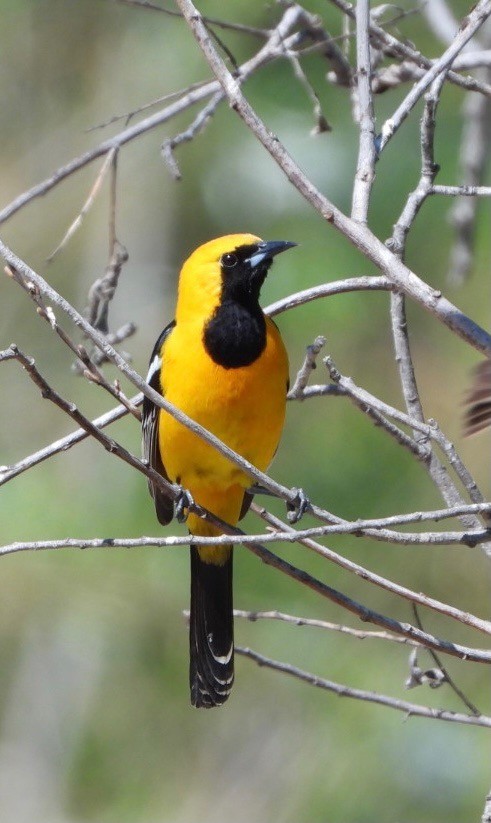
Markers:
<point>95,723</point>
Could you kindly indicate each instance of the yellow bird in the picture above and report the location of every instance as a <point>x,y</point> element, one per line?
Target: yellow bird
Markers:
<point>223,363</point>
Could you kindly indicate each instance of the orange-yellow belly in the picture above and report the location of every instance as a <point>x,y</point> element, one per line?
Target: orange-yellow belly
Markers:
<point>244,407</point>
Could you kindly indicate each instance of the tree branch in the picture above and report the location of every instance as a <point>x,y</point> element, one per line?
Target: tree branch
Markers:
<point>410,709</point>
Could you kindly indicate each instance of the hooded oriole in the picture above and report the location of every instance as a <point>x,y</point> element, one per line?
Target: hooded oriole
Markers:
<point>223,363</point>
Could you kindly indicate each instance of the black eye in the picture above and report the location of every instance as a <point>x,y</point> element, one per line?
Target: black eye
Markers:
<point>229,260</point>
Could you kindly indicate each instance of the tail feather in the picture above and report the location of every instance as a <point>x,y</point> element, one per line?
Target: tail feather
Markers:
<point>211,631</point>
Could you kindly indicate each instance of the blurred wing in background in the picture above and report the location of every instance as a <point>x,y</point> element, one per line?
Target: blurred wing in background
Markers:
<point>477,414</point>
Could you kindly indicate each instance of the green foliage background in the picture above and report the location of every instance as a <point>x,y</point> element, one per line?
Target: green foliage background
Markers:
<point>95,721</point>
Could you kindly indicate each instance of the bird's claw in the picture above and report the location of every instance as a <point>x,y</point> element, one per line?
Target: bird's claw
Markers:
<point>183,503</point>
<point>300,505</point>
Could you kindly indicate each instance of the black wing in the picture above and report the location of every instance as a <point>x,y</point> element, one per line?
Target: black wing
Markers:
<point>164,505</point>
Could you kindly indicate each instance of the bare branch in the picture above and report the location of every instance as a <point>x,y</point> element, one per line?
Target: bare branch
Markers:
<point>198,125</point>
<point>103,289</point>
<point>390,77</point>
<point>442,21</point>
<point>462,191</point>
<point>309,364</point>
<point>212,21</point>
<point>368,283</point>
<point>429,170</point>
<point>410,709</point>
<point>475,140</point>
<point>87,205</point>
<point>376,410</point>
<point>235,538</point>
<point>323,624</point>
<point>365,170</point>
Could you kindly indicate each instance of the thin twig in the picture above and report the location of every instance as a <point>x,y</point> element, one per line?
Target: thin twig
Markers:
<point>370,406</point>
<point>321,124</point>
<point>197,126</point>
<point>309,364</point>
<point>75,225</point>
<point>429,170</point>
<point>390,77</point>
<point>368,283</point>
<point>310,622</point>
<point>212,21</point>
<point>365,170</point>
<point>473,160</point>
<point>409,709</point>
<point>462,191</point>
<point>277,536</point>
<point>448,679</point>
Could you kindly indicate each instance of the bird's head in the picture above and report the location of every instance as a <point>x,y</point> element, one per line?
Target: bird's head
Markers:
<point>233,267</point>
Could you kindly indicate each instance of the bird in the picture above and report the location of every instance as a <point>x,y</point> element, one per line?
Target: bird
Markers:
<point>223,362</point>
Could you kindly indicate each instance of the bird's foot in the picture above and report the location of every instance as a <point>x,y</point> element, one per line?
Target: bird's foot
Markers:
<point>298,507</point>
<point>183,503</point>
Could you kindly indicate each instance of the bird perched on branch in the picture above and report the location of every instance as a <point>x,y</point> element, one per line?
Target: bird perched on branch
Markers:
<point>223,363</point>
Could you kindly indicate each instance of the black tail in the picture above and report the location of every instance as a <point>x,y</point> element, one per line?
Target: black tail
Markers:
<point>211,632</point>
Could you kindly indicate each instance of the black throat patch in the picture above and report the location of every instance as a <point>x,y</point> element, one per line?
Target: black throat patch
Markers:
<point>235,335</point>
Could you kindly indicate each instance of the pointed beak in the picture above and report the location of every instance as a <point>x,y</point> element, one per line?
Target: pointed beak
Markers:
<point>268,249</point>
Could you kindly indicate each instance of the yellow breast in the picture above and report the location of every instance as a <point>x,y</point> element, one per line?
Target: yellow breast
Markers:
<point>244,407</point>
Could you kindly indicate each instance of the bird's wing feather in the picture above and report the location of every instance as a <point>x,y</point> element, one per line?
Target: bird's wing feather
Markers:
<point>164,505</point>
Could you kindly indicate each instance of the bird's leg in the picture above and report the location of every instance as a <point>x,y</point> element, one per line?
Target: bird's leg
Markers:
<point>182,504</point>
<point>258,489</point>
<point>298,507</point>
